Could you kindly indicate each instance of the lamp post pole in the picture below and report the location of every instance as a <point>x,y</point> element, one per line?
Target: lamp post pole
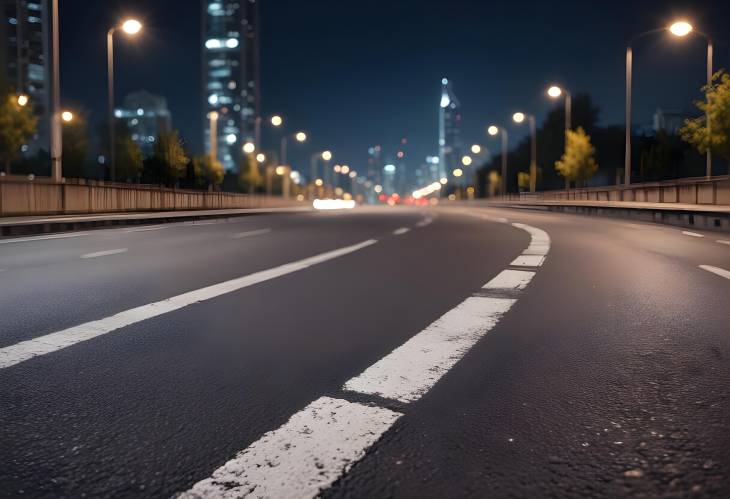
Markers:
<point>110,102</point>
<point>533,154</point>
<point>707,111</point>
<point>56,136</point>
<point>627,152</point>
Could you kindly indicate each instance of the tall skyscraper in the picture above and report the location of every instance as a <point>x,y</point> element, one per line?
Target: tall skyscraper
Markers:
<point>450,145</point>
<point>231,75</point>
<point>146,116</point>
<point>24,60</point>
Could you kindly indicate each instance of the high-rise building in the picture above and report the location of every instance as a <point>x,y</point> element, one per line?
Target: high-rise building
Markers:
<point>231,75</point>
<point>450,145</point>
<point>146,116</point>
<point>24,61</point>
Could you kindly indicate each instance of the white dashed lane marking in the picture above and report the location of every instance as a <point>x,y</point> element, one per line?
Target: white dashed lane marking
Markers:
<point>716,270</point>
<point>721,241</point>
<point>312,450</point>
<point>401,231</point>
<point>43,238</point>
<point>104,253</point>
<point>25,350</point>
<point>413,368</point>
<point>691,234</point>
<point>250,233</point>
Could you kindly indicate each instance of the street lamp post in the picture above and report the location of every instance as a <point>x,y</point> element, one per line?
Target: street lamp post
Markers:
<point>494,130</point>
<point>299,136</point>
<point>520,118</point>
<point>56,146</point>
<point>130,27</point>
<point>554,92</point>
<point>679,29</point>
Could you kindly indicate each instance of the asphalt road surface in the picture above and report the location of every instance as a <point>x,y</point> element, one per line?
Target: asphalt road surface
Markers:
<point>452,352</point>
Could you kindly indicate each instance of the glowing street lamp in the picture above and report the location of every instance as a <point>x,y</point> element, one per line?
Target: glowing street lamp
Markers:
<point>301,137</point>
<point>476,149</point>
<point>679,29</point>
<point>249,147</point>
<point>277,120</point>
<point>326,155</point>
<point>493,130</point>
<point>555,92</point>
<point>130,27</point>
<point>520,118</point>
<point>458,172</point>
<point>67,116</point>
<point>23,100</point>
<point>466,160</point>
<point>260,157</point>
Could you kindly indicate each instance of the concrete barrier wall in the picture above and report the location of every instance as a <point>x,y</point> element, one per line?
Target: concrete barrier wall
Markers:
<point>32,197</point>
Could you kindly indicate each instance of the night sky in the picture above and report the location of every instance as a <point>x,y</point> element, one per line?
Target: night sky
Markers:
<point>354,74</point>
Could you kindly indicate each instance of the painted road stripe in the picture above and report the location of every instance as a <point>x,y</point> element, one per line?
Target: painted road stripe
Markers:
<point>104,253</point>
<point>250,233</point>
<point>20,352</point>
<point>401,231</point>
<point>42,238</point>
<point>528,261</point>
<point>723,242</point>
<point>510,280</point>
<point>148,229</point>
<point>716,270</point>
<point>691,234</point>
<point>424,223</point>
<point>413,368</point>
<point>307,454</point>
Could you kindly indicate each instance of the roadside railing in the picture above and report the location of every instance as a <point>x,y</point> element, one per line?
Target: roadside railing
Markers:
<point>20,196</point>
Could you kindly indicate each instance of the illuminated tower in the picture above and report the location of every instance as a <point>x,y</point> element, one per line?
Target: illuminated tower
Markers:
<point>231,74</point>
<point>449,132</point>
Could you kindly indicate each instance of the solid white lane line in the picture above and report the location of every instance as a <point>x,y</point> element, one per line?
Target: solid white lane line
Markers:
<point>538,236</point>
<point>15,354</point>
<point>147,229</point>
<point>413,368</point>
<point>43,238</point>
<point>528,261</point>
<point>510,280</point>
<point>308,453</point>
<point>716,270</point>
<point>401,231</point>
<point>104,253</point>
<point>691,234</point>
<point>723,242</point>
<point>250,233</point>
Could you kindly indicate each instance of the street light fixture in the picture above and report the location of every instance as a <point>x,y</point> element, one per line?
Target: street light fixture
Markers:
<point>130,27</point>
<point>520,118</point>
<point>260,157</point>
<point>249,147</point>
<point>277,120</point>
<point>23,100</point>
<point>301,137</point>
<point>476,149</point>
<point>679,29</point>
<point>458,172</point>
<point>326,155</point>
<point>493,130</point>
<point>466,160</point>
<point>555,92</point>
<point>67,116</point>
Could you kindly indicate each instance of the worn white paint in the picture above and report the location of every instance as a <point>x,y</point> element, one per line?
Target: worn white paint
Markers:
<point>301,458</point>
<point>716,270</point>
<point>110,252</point>
<point>510,280</point>
<point>413,368</point>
